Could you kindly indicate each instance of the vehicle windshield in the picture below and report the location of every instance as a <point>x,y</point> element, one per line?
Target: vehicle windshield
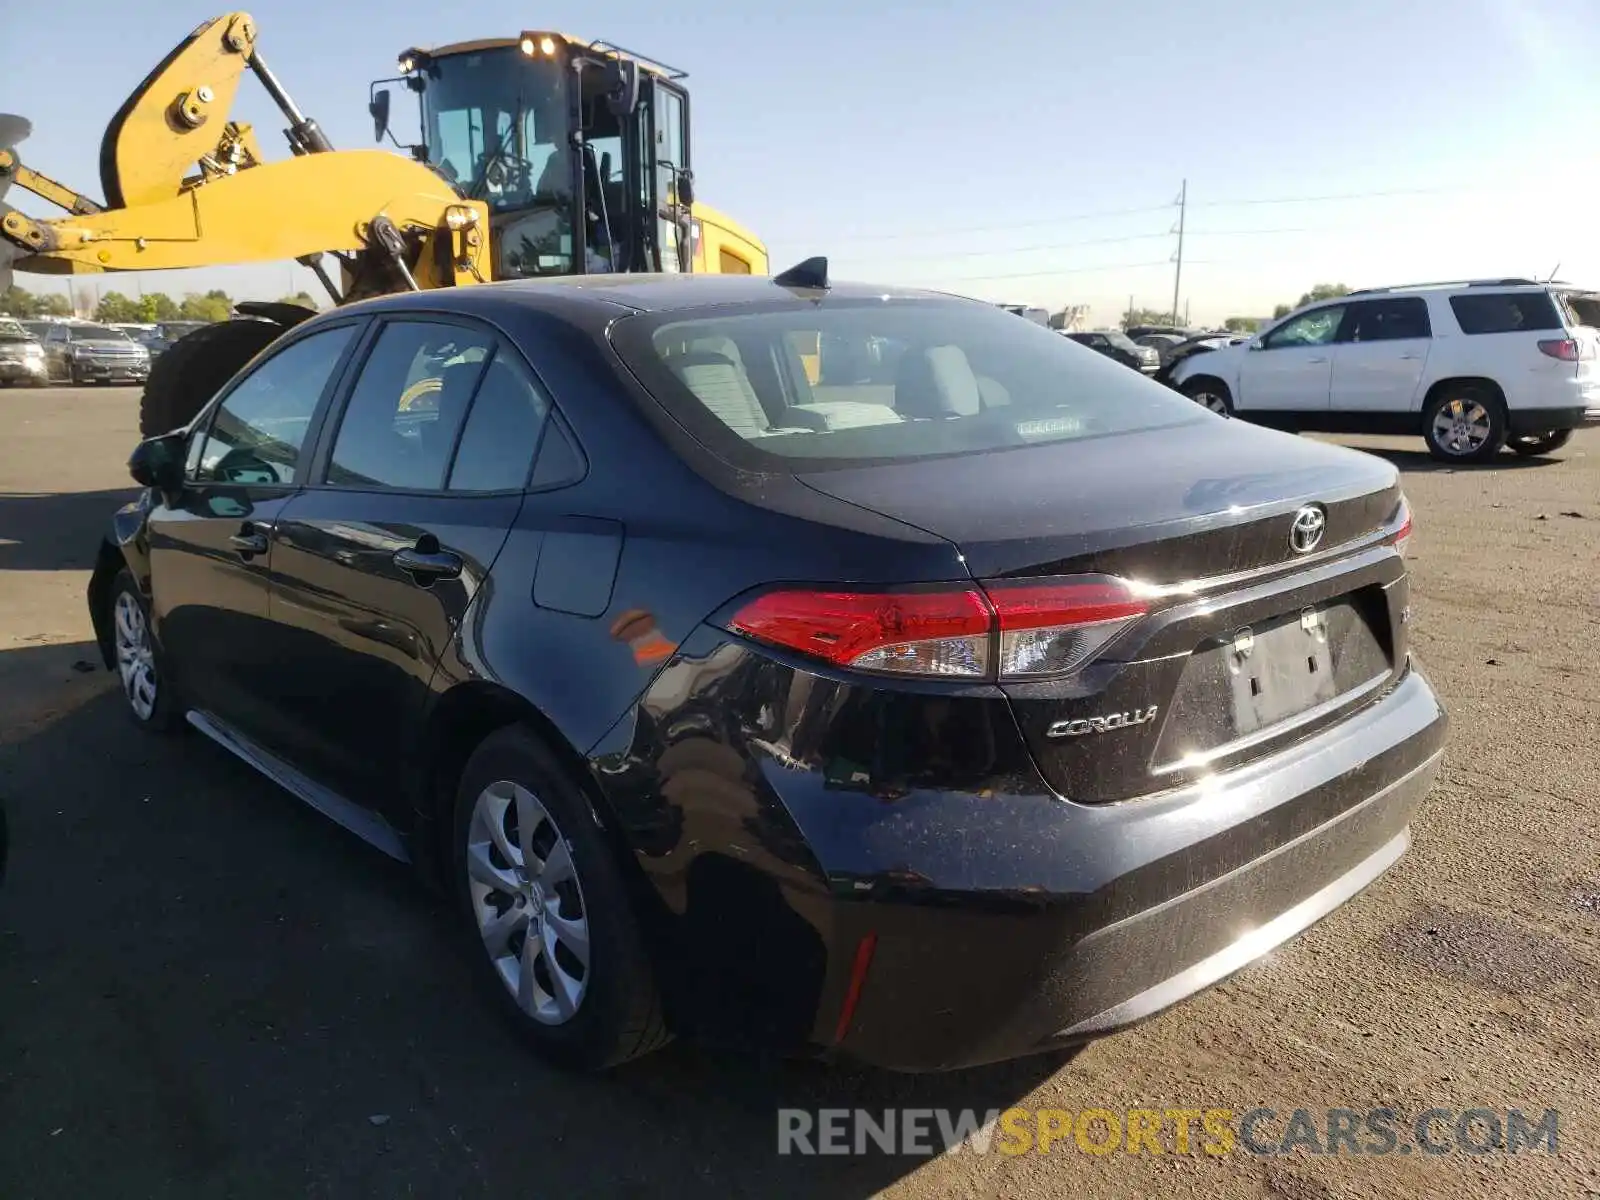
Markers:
<point>850,383</point>
<point>495,123</point>
<point>97,333</point>
<point>1120,340</point>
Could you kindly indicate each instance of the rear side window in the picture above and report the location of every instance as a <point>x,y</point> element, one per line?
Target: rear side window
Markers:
<point>400,424</point>
<point>1397,319</point>
<point>502,431</point>
<point>841,383</point>
<point>1505,312</point>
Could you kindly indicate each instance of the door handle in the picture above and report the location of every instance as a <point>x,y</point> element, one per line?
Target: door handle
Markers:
<point>251,539</point>
<point>1409,357</point>
<point>1318,359</point>
<point>427,566</point>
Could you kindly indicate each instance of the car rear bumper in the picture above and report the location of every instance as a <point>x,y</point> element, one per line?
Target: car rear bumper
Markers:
<point>949,913</point>
<point>1545,420</point>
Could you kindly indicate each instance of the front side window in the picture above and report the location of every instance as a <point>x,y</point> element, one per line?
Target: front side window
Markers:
<point>842,383</point>
<point>260,427</point>
<point>1319,327</point>
<point>399,427</point>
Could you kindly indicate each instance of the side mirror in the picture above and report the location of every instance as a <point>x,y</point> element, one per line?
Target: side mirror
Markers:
<point>1257,344</point>
<point>622,86</point>
<point>378,106</point>
<point>158,463</point>
<point>686,188</point>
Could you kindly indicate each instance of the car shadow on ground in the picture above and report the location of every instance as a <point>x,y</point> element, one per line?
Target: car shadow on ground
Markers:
<point>1416,461</point>
<point>56,531</point>
<point>209,989</point>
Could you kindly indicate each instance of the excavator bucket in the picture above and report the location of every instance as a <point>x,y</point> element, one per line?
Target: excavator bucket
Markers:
<point>13,131</point>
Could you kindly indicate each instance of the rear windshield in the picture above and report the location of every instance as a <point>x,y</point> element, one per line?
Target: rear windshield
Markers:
<point>847,383</point>
<point>1505,312</point>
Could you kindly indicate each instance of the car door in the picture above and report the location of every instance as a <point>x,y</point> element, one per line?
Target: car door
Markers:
<point>1290,369</point>
<point>417,485</point>
<point>1382,352</point>
<point>211,548</point>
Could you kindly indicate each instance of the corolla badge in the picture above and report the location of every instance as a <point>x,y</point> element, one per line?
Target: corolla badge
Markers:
<point>1308,527</point>
<point>1109,723</point>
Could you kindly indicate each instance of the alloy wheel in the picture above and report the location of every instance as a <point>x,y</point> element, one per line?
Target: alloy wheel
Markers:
<point>528,902</point>
<point>1462,427</point>
<point>136,662</point>
<point>1213,401</point>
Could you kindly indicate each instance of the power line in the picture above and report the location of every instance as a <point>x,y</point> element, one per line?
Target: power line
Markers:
<point>1432,191</point>
<point>1106,214</point>
<point>1164,262</point>
<point>946,231</point>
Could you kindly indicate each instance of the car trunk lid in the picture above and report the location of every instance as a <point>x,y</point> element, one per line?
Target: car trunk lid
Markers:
<point>1249,639</point>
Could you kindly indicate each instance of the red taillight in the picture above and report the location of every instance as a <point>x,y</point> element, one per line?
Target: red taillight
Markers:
<point>1009,630</point>
<point>1400,539</point>
<point>1566,349</point>
<point>916,633</point>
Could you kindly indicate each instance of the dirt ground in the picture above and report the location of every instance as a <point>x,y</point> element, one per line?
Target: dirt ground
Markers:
<point>207,990</point>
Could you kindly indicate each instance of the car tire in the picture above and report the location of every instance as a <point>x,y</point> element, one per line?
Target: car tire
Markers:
<point>195,368</point>
<point>1465,424</point>
<point>1534,444</point>
<point>137,659</point>
<point>582,1020</point>
<point>1209,394</point>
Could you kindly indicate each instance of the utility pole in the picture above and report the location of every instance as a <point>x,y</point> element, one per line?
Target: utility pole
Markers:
<point>1177,278</point>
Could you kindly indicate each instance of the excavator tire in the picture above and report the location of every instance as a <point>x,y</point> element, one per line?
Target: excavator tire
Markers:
<point>194,370</point>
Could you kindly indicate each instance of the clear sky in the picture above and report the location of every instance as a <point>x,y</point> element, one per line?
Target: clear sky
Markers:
<point>1024,150</point>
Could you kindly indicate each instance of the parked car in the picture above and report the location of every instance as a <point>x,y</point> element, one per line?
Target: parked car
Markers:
<point>1471,367</point>
<point>1161,343</point>
<point>22,358</point>
<point>84,352</point>
<point>1139,331</point>
<point>1115,344</point>
<point>1195,345</point>
<point>1023,702</point>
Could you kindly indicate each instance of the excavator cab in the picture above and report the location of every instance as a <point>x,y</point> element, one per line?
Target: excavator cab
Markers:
<point>579,150</point>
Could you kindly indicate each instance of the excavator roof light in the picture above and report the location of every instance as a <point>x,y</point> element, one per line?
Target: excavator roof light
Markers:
<point>538,43</point>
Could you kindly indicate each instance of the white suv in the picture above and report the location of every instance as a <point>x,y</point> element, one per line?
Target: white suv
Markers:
<point>1470,366</point>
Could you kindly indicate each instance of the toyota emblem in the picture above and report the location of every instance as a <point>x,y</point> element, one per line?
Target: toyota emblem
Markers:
<point>1309,524</point>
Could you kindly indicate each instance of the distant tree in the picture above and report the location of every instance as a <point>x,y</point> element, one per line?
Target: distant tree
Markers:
<point>1283,310</point>
<point>215,305</point>
<point>18,302</point>
<point>114,306</point>
<point>52,305</point>
<point>1323,291</point>
<point>157,306</point>
<point>1145,316</point>
<point>303,299</point>
<point>1242,324</point>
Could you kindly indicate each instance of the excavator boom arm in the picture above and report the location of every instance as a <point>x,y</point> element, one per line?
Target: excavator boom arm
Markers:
<point>290,209</point>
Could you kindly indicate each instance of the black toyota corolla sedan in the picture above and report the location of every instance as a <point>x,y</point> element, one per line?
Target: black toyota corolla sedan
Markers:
<point>821,669</point>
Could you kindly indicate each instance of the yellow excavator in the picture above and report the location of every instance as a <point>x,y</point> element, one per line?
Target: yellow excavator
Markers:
<point>538,155</point>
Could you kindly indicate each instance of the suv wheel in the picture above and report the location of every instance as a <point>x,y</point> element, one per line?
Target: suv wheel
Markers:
<point>557,943</point>
<point>1533,444</point>
<point>138,665</point>
<point>1464,424</point>
<point>1209,393</point>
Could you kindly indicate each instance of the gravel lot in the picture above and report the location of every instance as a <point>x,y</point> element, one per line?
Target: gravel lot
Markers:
<point>207,990</point>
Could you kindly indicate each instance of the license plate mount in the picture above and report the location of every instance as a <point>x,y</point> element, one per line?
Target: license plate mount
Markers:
<point>1280,672</point>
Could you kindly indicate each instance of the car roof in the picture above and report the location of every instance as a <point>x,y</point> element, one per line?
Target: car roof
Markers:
<point>638,292</point>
